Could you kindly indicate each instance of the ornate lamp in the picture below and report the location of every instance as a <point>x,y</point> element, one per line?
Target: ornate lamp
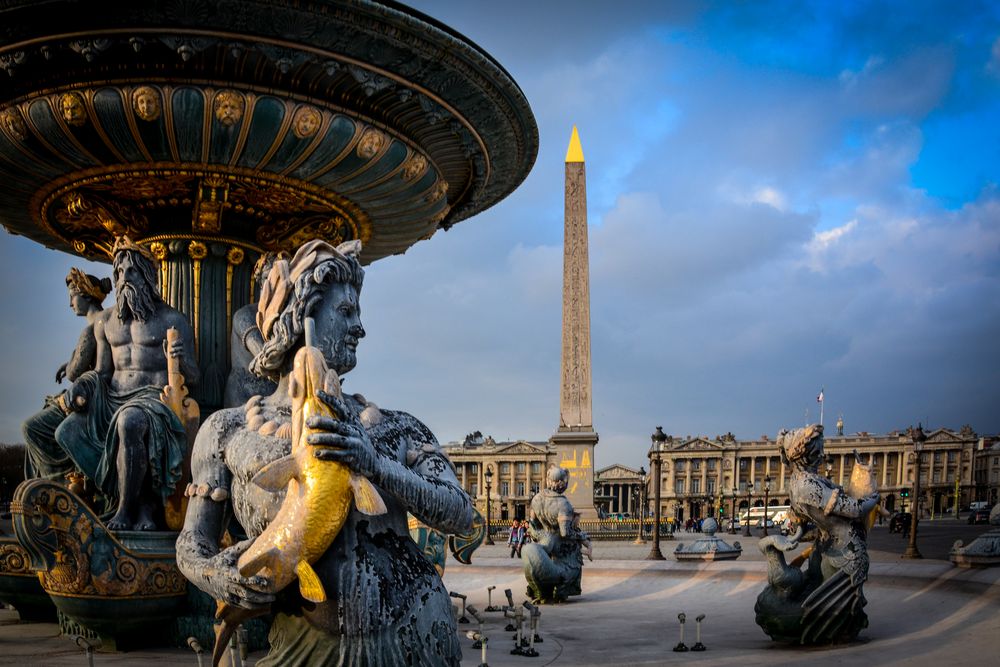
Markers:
<point>489,484</point>
<point>658,437</point>
<point>767,493</point>
<point>643,506</point>
<point>918,437</point>
<point>746,524</point>
<point>732,524</point>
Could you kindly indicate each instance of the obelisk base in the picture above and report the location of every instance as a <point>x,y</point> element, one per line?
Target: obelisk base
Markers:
<point>575,447</point>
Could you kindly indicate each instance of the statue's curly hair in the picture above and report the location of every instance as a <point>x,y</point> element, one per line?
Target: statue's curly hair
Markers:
<point>291,294</point>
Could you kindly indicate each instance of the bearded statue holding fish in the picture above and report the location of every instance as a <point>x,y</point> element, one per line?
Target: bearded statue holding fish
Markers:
<point>824,603</point>
<point>321,482</point>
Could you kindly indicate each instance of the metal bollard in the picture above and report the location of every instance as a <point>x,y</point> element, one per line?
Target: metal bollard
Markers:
<point>530,652</point>
<point>510,605</point>
<point>474,613</point>
<point>88,646</point>
<point>517,614</point>
<point>196,647</point>
<point>698,646</point>
<point>480,641</point>
<point>232,652</point>
<point>489,599</point>
<point>241,634</point>
<point>536,618</point>
<point>460,596</point>
<point>681,646</point>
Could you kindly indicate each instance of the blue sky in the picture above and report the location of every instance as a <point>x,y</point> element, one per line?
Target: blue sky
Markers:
<point>782,197</point>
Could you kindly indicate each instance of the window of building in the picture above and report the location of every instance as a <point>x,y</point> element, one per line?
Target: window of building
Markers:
<point>505,468</point>
<point>937,457</point>
<point>521,465</point>
<point>937,477</point>
<point>678,486</point>
<point>695,464</point>
<point>952,455</point>
<point>504,488</point>
<point>743,464</point>
<point>711,464</point>
<point>473,468</point>
<point>536,467</point>
<point>520,488</point>
<point>710,486</point>
<point>695,485</point>
<point>534,488</point>
<point>679,466</point>
<point>474,489</point>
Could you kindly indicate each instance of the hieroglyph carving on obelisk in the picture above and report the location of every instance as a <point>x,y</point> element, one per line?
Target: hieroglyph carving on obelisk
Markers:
<point>575,408</point>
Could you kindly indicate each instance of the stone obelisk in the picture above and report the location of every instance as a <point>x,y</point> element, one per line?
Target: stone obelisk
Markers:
<point>575,438</point>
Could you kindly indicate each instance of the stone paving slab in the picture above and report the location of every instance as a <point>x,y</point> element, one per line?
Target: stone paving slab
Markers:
<point>922,613</point>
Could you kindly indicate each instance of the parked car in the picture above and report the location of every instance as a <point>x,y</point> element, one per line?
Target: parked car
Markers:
<point>899,522</point>
<point>760,523</point>
<point>980,516</point>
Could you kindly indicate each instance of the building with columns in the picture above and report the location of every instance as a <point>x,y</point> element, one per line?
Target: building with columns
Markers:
<point>518,468</point>
<point>618,489</point>
<point>700,475</point>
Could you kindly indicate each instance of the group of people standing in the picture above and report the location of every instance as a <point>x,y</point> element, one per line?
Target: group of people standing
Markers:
<point>518,537</point>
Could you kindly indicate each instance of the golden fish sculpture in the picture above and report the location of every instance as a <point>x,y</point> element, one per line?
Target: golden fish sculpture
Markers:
<point>318,497</point>
<point>862,484</point>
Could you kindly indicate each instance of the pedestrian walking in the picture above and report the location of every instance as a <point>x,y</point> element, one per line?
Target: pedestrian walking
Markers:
<point>516,538</point>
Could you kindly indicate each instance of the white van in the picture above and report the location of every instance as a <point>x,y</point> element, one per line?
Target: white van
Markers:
<point>979,505</point>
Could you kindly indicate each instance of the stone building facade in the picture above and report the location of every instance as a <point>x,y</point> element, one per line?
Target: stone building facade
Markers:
<point>518,467</point>
<point>618,489</point>
<point>701,476</point>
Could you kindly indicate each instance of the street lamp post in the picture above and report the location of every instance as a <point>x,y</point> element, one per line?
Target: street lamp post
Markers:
<point>659,437</point>
<point>489,482</point>
<point>746,524</point>
<point>767,494</point>
<point>642,508</point>
<point>918,438</point>
<point>732,517</point>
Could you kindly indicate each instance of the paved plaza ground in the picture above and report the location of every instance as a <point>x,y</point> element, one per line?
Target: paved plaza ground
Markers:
<point>922,613</point>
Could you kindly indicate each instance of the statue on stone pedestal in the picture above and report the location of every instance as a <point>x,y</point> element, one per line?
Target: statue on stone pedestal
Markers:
<point>44,457</point>
<point>824,603</point>
<point>553,560</point>
<point>384,602</point>
<point>120,434</point>
<point>245,342</point>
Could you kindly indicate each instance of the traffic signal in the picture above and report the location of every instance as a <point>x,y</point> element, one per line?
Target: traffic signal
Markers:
<point>905,493</point>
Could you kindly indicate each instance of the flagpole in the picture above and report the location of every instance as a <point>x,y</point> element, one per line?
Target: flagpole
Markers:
<point>822,401</point>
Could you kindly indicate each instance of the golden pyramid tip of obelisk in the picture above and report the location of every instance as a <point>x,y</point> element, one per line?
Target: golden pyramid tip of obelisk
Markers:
<point>575,152</point>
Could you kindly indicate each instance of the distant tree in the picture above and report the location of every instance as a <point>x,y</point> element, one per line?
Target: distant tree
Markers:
<point>11,469</point>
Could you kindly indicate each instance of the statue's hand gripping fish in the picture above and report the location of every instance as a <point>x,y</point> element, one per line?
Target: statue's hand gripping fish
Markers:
<point>319,493</point>
<point>317,500</point>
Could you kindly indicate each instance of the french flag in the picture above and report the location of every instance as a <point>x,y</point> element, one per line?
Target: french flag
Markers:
<point>819,398</point>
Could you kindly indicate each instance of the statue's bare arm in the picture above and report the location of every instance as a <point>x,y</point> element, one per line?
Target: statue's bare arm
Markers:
<point>198,554</point>
<point>84,356</point>
<point>835,500</point>
<point>426,484</point>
